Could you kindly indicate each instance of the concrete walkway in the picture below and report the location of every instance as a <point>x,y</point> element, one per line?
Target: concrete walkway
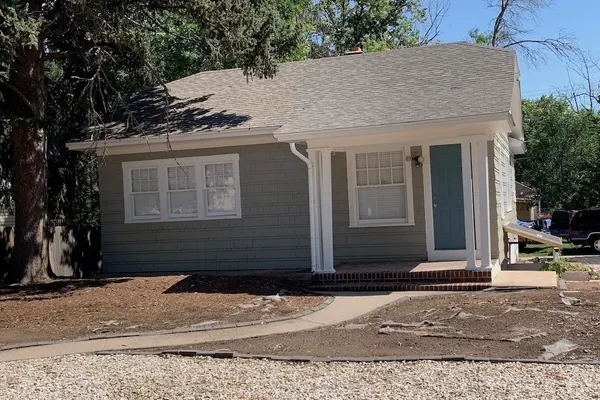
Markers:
<point>346,306</point>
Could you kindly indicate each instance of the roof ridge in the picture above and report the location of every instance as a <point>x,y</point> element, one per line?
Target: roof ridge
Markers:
<point>362,55</point>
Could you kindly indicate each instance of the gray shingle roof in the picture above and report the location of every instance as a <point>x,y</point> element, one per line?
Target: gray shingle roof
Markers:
<point>405,85</point>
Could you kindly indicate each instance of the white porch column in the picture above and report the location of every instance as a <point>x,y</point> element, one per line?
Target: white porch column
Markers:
<point>314,158</point>
<point>326,211</point>
<point>468,203</point>
<point>484,204</point>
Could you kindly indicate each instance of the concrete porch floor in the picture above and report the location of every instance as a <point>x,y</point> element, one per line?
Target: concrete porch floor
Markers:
<point>402,266</point>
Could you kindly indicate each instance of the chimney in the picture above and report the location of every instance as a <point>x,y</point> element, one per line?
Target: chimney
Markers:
<point>353,50</point>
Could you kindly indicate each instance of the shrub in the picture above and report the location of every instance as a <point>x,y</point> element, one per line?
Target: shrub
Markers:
<point>565,266</point>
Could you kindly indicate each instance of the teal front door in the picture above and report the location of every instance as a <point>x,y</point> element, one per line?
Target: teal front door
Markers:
<point>447,197</point>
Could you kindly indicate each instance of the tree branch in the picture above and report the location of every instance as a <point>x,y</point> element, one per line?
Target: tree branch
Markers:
<point>60,55</point>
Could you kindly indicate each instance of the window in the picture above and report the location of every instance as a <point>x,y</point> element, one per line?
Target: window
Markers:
<point>182,189</point>
<point>380,191</point>
<point>144,192</point>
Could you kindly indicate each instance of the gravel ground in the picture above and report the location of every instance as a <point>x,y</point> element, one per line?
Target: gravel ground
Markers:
<point>153,377</point>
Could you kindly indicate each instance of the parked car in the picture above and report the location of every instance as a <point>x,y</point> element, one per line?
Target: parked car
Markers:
<point>585,228</point>
<point>560,224</point>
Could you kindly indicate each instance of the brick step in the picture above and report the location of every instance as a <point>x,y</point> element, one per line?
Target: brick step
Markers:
<point>400,287</point>
<point>433,277</point>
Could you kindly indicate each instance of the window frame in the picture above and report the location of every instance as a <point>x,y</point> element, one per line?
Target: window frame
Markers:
<point>355,221</point>
<point>162,166</point>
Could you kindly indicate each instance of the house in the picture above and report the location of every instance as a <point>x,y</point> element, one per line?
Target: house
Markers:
<point>398,155</point>
<point>528,204</point>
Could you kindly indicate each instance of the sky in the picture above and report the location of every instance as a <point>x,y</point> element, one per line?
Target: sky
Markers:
<point>579,18</point>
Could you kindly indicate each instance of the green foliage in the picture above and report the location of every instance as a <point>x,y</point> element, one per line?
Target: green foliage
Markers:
<point>563,153</point>
<point>373,25</point>
<point>558,266</point>
<point>562,266</point>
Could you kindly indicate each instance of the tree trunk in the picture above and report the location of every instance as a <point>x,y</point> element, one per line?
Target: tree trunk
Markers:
<point>30,254</point>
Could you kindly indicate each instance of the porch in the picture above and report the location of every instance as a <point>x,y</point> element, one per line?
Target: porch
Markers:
<point>404,275</point>
<point>424,193</point>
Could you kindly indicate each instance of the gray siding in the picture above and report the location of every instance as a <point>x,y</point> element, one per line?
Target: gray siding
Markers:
<point>376,244</point>
<point>273,232</point>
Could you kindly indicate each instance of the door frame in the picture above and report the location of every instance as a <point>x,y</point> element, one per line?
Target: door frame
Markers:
<point>447,255</point>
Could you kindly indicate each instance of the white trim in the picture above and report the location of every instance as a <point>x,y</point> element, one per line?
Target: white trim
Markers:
<point>162,165</point>
<point>327,211</point>
<point>149,139</point>
<point>395,128</point>
<point>315,158</point>
<point>355,221</point>
<point>468,203</point>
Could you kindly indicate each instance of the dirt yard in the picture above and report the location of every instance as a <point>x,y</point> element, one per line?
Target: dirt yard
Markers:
<point>74,309</point>
<point>496,324</point>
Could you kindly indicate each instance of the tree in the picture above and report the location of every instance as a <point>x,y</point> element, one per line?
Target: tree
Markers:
<point>510,29</point>
<point>339,25</point>
<point>563,153</point>
<point>37,34</point>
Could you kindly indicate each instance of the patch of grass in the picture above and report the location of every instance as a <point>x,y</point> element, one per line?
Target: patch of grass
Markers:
<point>566,266</point>
<point>541,250</point>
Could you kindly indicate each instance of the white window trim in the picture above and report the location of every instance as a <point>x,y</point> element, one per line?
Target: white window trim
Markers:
<point>162,166</point>
<point>355,222</point>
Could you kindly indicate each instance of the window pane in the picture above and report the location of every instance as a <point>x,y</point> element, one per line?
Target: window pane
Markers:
<point>145,186</point>
<point>373,177</point>
<point>210,182</point>
<point>220,200</point>
<point>229,169</point>
<point>135,174</point>
<point>135,186</point>
<point>154,185</point>
<point>146,204</point>
<point>143,174</point>
<point>181,183</point>
<point>219,169</point>
<point>387,202</point>
<point>384,159</point>
<point>209,170</point>
<point>398,175</point>
<point>361,177</point>
<point>183,202</point>
<point>172,183</point>
<point>373,160</point>
<point>153,173</point>
<point>397,158</point>
<point>386,176</point>
<point>361,161</point>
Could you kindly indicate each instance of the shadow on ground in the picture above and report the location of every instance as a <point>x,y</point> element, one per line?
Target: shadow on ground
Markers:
<point>52,290</point>
<point>251,284</point>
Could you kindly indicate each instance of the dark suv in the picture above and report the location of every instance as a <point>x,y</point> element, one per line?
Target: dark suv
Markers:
<point>559,225</point>
<point>585,228</point>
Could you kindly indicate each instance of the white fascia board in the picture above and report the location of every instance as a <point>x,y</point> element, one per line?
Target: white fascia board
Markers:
<point>173,138</point>
<point>391,128</point>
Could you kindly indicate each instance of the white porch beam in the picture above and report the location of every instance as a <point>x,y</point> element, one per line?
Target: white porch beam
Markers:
<point>484,204</point>
<point>326,211</point>
<point>468,203</point>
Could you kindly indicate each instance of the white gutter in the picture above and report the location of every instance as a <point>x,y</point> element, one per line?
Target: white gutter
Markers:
<point>311,203</point>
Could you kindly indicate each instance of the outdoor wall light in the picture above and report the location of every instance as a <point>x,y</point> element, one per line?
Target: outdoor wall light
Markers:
<point>417,159</point>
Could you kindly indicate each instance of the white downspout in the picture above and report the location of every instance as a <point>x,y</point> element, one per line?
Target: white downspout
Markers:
<point>311,202</point>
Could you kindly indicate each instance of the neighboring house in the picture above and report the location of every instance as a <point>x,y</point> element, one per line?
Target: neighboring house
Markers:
<point>528,204</point>
<point>366,157</point>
